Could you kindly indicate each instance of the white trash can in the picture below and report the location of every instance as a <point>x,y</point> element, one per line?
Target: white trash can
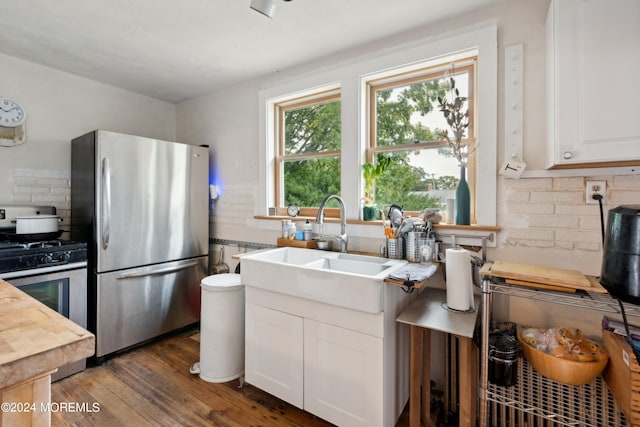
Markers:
<point>222,328</point>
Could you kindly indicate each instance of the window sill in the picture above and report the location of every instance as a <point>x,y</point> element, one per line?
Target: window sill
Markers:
<point>470,235</point>
<point>377,223</point>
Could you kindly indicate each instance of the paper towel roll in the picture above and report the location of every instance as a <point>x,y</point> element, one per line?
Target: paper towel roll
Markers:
<point>451,203</point>
<point>459,282</point>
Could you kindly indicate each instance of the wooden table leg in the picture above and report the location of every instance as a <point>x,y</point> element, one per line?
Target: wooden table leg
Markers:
<point>426,377</point>
<point>468,353</point>
<point>415,374</point>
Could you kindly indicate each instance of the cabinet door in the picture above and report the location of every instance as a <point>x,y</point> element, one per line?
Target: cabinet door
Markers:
<point>342,375</point>
<point>593,105</point>
<point>273,353</point>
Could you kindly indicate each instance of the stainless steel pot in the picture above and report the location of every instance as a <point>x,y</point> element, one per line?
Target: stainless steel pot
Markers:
<point>37,224</point>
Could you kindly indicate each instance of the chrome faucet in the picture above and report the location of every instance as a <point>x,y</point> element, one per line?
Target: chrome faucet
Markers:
<point>344,239</point>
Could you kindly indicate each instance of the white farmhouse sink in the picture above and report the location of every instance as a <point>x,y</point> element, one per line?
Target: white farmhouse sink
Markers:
<point>345,280</point>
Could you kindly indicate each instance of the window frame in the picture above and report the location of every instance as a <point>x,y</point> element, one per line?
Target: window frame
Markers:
<point>280,108</point>
<point>349,76</point>
<point>396,78</point>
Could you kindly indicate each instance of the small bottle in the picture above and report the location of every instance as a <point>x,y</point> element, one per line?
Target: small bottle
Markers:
<point>292,231</point>
<point>307,230</point>
<point>286,223</point>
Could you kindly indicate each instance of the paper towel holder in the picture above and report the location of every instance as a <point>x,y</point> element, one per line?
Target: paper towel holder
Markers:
<point>446,307</point>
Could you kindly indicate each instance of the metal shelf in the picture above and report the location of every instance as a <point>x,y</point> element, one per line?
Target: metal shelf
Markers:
<point>582,299</point>
<point>536,400</point>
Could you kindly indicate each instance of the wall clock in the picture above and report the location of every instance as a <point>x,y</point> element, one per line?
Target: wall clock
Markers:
<point>293,210</point>
<point>12,123</point>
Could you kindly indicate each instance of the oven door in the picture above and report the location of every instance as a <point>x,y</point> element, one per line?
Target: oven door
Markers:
<point>63,291</point>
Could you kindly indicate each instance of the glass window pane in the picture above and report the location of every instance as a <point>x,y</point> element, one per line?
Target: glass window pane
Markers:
<point>307,182</point>
<point>418,179</point>
<point>410,113</point>
<point>312,128</point>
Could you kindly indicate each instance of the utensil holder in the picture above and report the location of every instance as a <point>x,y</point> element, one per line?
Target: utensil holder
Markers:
<point>415,241</point>
<point>395,248</point>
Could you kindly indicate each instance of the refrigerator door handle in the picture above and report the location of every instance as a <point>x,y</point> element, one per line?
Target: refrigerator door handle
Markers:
<point>105,223</point>
<point>158,272</point>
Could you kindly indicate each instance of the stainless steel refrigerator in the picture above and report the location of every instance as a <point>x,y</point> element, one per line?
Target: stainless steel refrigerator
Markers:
<point>141,204</point>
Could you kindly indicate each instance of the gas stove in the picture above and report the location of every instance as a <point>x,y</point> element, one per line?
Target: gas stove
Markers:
<point>18,256</point>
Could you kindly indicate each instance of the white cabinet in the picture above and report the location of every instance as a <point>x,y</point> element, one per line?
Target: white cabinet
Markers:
<point>592,61</point>
<point>274,352</point>
<point>342,375</point>
<point>346,366</point>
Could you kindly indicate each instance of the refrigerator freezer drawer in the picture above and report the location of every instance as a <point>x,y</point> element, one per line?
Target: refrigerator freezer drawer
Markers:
<point>138,304</point>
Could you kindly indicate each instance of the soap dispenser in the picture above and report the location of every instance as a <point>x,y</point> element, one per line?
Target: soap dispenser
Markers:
<point>306,228</point>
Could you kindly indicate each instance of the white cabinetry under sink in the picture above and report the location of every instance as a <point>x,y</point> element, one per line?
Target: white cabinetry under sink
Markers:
<point>332,372</point>
<point>343,374</point>
<point>274,359</point>
<point>592,95</point>
<point>348,366</point>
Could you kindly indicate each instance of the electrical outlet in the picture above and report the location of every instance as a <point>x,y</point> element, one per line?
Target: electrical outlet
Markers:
<point>596,187</point>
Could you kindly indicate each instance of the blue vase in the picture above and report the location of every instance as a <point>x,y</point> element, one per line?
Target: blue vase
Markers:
<point>463,200</point>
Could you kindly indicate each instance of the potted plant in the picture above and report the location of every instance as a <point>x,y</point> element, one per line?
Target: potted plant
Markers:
<point>371,172</point>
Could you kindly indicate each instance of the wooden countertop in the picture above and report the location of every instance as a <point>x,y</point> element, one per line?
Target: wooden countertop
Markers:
<point>35,339</point>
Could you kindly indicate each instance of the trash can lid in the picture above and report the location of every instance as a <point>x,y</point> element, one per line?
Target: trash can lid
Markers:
<point>222,282</point>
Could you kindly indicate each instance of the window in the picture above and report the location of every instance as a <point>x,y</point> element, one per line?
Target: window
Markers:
<point>348,82</point>
<point>405,124</point>
<point>308,149</point>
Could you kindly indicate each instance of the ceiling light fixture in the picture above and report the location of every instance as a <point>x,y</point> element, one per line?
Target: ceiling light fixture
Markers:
<point>265,7</point>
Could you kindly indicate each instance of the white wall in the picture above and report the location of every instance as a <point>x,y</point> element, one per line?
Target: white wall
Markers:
<point>61,106</point>
<point>544,220</point>
<point>228,119</point>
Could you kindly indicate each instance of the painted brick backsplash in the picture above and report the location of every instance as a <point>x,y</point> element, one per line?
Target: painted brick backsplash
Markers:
<point>552,213</point>
<point>43,187</point>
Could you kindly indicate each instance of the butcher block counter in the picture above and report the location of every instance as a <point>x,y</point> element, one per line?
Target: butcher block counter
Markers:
<point>34,342</point>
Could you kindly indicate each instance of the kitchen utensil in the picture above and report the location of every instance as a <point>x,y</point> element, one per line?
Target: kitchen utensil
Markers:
<point>29,237</point>
<point>395,215</point>
<point>406,226</point>
<point>427,254</point>
<point>414,242</point>
<point>395,248</point>
<point>389,233</point>
<point>36,224</point>
<point>325,245</point>
<point>540,274</point>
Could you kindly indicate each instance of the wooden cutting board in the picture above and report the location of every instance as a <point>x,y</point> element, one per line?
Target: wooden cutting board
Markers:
<point>542,275</point>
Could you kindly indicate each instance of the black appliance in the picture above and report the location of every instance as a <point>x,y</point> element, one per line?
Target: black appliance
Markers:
<point>20,256</point>
<point>620,273</point>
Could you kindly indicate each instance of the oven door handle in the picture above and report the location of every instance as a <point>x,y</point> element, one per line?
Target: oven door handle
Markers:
<point>158,272</point>
<point>105,223</point>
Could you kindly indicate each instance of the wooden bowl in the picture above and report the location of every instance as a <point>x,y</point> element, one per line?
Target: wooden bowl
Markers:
<point>567,371</point>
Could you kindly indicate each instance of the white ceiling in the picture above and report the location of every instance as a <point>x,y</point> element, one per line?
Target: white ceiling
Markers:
<point>178,50</point>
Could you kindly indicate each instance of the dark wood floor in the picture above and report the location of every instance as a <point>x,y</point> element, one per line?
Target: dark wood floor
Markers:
<point>152,386</point>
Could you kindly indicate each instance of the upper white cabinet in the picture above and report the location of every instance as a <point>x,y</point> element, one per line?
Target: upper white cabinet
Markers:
<point>593,58</point>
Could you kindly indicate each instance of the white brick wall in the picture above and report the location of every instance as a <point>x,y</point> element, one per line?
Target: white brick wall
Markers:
<point>43,187</point>
<point>552,213</point>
